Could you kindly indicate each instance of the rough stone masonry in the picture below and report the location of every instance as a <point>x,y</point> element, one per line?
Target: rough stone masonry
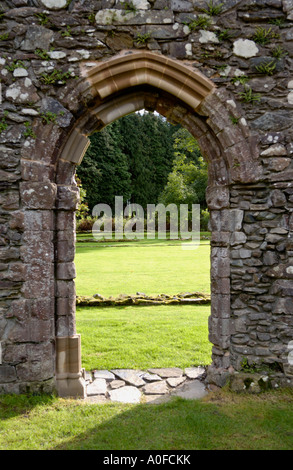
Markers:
<point>222,70</point>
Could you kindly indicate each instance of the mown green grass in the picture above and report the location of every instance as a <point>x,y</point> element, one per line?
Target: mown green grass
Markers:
<point>221,421</point>
<point>143,337</point>
<point>151,267</point>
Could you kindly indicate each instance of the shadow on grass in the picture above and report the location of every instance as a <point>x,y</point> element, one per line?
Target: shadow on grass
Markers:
<point>17,405</point>
<point>189,424</point>
<point>221,421</point>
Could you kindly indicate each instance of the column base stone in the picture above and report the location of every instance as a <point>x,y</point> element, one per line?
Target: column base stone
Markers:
<point>71,387</point>
<point>69,374</point>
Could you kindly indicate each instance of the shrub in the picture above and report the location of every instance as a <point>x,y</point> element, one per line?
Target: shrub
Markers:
<point>85,224</point>
<point>204,220</point>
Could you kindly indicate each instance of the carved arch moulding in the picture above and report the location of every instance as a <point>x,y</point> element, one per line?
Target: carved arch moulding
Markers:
<point>69,70</point>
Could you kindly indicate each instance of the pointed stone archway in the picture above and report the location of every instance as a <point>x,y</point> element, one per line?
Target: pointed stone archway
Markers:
<point>70,68</point>
<point>143,80</point>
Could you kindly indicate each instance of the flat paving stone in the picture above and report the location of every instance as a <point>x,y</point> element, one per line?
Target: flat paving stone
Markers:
<point>97,387</point>
<point>126,394</point>
<point>150,377</point>
<point>175,381</point>
<point>167,372</point>
<point>191,391</point>
<point>130,376</point>
<point>194,372</point>
<point>104,374</point>
<point>155,388</point>
<point>117,384</point>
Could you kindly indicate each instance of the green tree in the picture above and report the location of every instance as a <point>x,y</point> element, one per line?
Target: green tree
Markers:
<point>187,181</point>
<point>147,142</point>
<point>83,208</point>
<point>137,157</point>
<point>105,170</point>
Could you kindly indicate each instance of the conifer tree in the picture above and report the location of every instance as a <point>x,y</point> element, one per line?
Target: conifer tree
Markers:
<point>105,171</point>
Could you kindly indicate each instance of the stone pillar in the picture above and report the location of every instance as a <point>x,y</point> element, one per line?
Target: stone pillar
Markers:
<point>65,273</point>
<point>69,381</point>
<point>33,333</point>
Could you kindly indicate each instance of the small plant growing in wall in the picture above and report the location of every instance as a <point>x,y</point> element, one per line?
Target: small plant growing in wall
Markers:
<point>3,123</point>
<point>247,367</point>
<point>278,52</point>
<point>67,33</point>
<point>277,22</point>
<point>29,130</point>
<point>264,36</point>
<point>92,18</point>
<point>111,33</point>
<point>42,54</point>
<point>16,64</point>
<point>143,38</point>
<point>50,117</point>
<point>202,22</point>
<point>224,35</point>
<point>242,80</point>
<point>236,163</point>
<point>4,37</point>
<point>221,68</point>
<point>206,55</point>
<point>234,120</point>
<point>130,7</point>
<point>267,68</point>
<point>55,77</point>
<point>247,96</point>
<point>213,9</point>
<point>43,18</point>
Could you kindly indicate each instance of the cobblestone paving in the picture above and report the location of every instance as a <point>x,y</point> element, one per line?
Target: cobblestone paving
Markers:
<point>151,386</point>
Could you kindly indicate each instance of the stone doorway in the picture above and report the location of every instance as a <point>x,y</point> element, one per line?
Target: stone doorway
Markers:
<point>141,80</point>
<point>46,117</point>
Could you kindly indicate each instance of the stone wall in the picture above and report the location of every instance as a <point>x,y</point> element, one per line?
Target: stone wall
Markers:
<point>243,122</point>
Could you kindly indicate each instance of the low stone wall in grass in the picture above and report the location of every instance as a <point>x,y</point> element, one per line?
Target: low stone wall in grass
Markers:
<point>188,298</point>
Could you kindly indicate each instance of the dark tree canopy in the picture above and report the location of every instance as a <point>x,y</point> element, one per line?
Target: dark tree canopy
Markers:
<point>135,157</point>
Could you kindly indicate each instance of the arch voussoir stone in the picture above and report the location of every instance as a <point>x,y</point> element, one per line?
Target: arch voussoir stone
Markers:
<point>145,68</point>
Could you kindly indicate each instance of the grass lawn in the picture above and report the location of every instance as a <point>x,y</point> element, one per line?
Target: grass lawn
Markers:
<point>144,337</point>
<point>151,267</point>
<point>220,421</point>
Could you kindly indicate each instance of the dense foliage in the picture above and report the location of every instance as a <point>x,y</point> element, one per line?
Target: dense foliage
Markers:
<point>146,160</point>
<point>187,182</point>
